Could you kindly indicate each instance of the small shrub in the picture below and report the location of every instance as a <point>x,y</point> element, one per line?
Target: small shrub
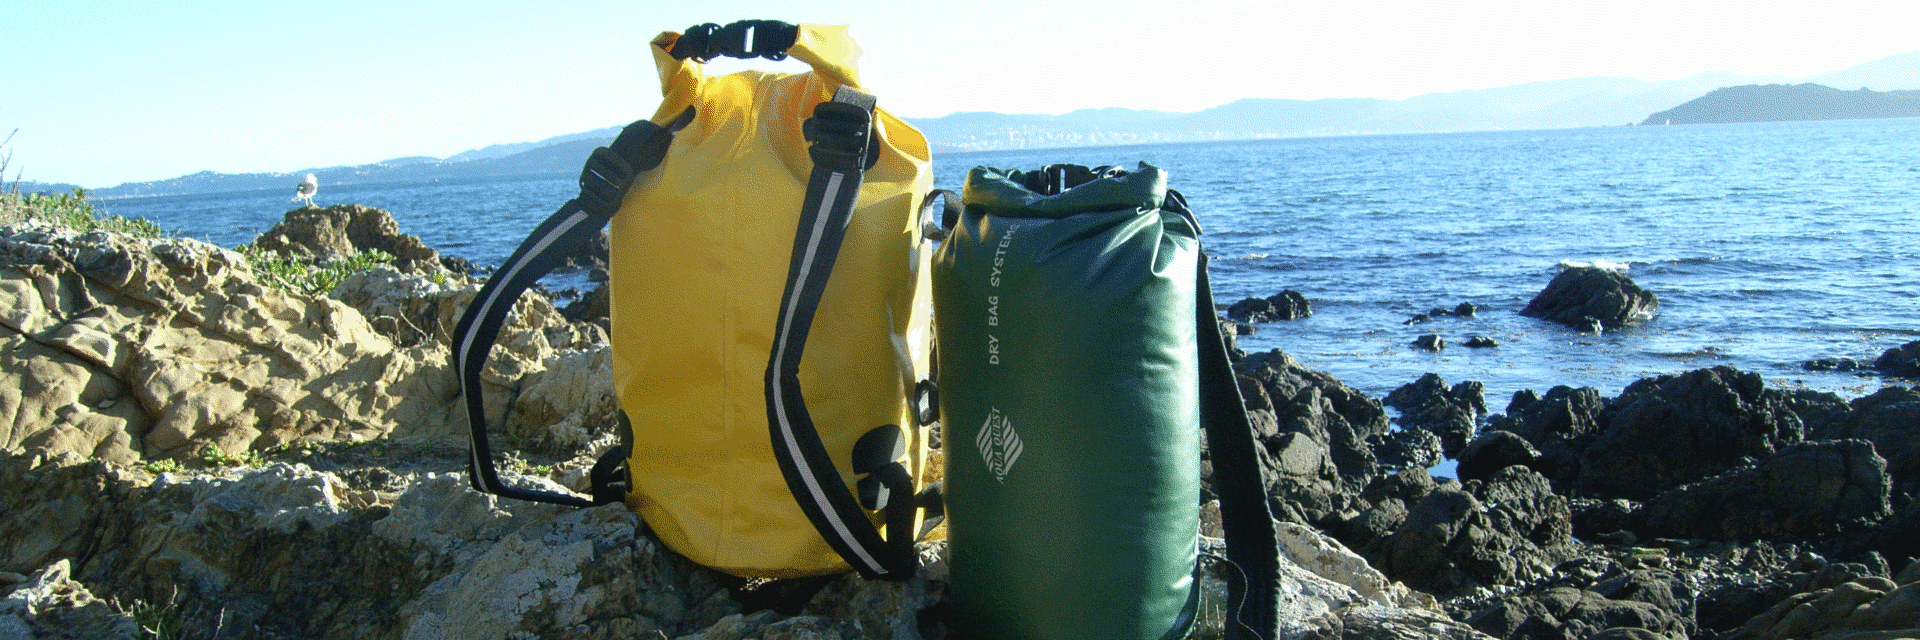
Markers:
<point>158,467</point>
<point>304,274</point>
<point>73,211</point>
<point>215,457</point>
<point>157,621</point>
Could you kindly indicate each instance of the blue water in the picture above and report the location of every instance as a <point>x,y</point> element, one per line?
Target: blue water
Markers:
<point>1769,244</point>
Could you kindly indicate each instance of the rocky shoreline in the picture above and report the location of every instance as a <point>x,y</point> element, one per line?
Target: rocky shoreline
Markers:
<point>194,450</point>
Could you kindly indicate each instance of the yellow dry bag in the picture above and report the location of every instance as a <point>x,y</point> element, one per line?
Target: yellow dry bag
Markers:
<point>769,305</point>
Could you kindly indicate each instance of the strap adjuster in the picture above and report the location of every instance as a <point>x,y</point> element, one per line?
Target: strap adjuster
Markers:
<point>768,39</point>
<point>604,181</point>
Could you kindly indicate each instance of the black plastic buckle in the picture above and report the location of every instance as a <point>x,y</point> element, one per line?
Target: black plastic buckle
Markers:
<point>604,181</point>
<point>768,39</point>
<point>839,134</point>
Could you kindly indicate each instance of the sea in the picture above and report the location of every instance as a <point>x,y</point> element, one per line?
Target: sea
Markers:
<point>1768,244</point>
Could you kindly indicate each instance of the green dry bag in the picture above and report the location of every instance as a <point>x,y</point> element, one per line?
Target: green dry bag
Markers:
<point>1070,310</point>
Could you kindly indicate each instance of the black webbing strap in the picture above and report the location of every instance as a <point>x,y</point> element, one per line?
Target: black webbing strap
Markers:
<point>603,181</point>
<point>1253,610</point>
<point>840,132</point>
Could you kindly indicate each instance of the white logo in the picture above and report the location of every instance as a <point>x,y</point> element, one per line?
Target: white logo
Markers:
<point>999,446</point>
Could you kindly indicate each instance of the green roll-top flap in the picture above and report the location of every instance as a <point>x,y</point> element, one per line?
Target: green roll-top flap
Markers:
<point>1040,194</point>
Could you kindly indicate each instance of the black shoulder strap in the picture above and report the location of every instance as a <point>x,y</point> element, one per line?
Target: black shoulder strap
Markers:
<point>840,133</point>
<point>1253,610</point>
<point>603,182</point>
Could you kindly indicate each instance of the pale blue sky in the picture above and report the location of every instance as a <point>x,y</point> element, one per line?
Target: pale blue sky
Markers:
<point>110,92</point>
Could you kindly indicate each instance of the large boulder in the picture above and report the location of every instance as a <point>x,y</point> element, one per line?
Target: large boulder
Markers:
<point>51,604</point>
<point>1453,542</point>
<point>1582,297</point>
<point>1566,612</point>
<point>1319,442</point>
<point>1890,419</point>
<point>1453,414</point>
<point>343,230</point>
<point>1871,607</point>
<point>1560,426</point>
<point>1493,451</point>
<point>1808,490</point>
<point>1902,361</point>
<point>1670,430</point>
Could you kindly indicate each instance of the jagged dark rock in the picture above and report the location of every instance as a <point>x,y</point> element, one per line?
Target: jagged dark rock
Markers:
<point>1806,490</point>
<point>1902,361</point>
<point>1559,426</point>
<point>1452,414</point>
<point>1481,342</point>
<point>1459,539</point>
<point>1582,296</point>
<point>1286,305</point>
<point>1330,420</point>
<point>1665,431</point>
<point>1566,612</point>
<point>1834,364</point>
<point>1493,451</point>
<point>1430,342</point>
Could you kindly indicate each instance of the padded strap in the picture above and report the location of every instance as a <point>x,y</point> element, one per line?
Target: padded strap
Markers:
<point>840,133</point>
<point>1253,608</point>
<point>608,172</point>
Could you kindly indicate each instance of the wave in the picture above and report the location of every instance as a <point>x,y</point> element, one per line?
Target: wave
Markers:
<point>1600,263</point>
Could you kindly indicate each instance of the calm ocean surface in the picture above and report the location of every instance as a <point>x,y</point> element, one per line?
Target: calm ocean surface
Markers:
<point>1768,244</point>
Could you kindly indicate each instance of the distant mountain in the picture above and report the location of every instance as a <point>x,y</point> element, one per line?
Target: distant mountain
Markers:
<point>1557,104</point>
<point>1783,102</point>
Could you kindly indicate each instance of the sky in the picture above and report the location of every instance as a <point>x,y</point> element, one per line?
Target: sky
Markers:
<point>102,93</point>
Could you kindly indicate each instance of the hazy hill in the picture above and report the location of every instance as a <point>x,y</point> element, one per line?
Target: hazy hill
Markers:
<point>1557,104</point>
<point>1782,102</point>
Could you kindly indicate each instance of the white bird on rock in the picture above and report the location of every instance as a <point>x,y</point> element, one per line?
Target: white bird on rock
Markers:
<point>304,192</point>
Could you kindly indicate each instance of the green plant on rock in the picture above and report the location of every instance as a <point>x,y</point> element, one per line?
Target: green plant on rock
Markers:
<point>216,457</point>
<point>162,621</point>
<point>305,275</point>
<point>158,467</point>
<point>72,211</point>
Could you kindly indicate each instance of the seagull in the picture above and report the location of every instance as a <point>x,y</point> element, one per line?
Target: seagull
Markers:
<point>304,192</point>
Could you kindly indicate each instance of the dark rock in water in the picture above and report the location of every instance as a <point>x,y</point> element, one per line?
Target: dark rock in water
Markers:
<point>1581,296</point>
<point>1430,342</point>
<point>342,230</point>
<point>1560,426</point>
<point>1807,490</point>
<point>1453,414</point>
<point>1419,318</point>
<point>1890,419</point>
<point>1566,612</point>
<point>1902,361</point>
<point>1457,540</point>
<point>459,265</point>
<point>1286,305</point>
<point>1481,342</point>
<point>1833,364</point>
<point>1670,430</point>
<point>1492,452</point>
<point>1465,310</point>
<point>1230,328</point>
<point>1319,407</point>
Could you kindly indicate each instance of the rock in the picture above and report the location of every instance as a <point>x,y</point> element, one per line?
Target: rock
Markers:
<point>1389,623</point>
<point>1566,612</point>
<point>125,349</point>
<point>1670,430</point>
<point>1335,418</point>
<point>1560,426</point>
<point>1833,364</point>
<point>1865,608</point>
<point>1807,490</point>
<point>1286,305</point>
<point>1899,535</point>
<point>1452,414</point>
<point>1493,451</point>
<point>1821,412</point>
<point>1481,342</point>
<point>1453,542</point>
<point>1580,296</point>
<point>1430,342</point>
<point>1593,519</point>
<point>1463,310</point>
<point>1406,449</point>
<point>51,605</point>
<point>595,307</point>
<point>1902,361</point>
<point>342,230</point>
<point>1890,419</point>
